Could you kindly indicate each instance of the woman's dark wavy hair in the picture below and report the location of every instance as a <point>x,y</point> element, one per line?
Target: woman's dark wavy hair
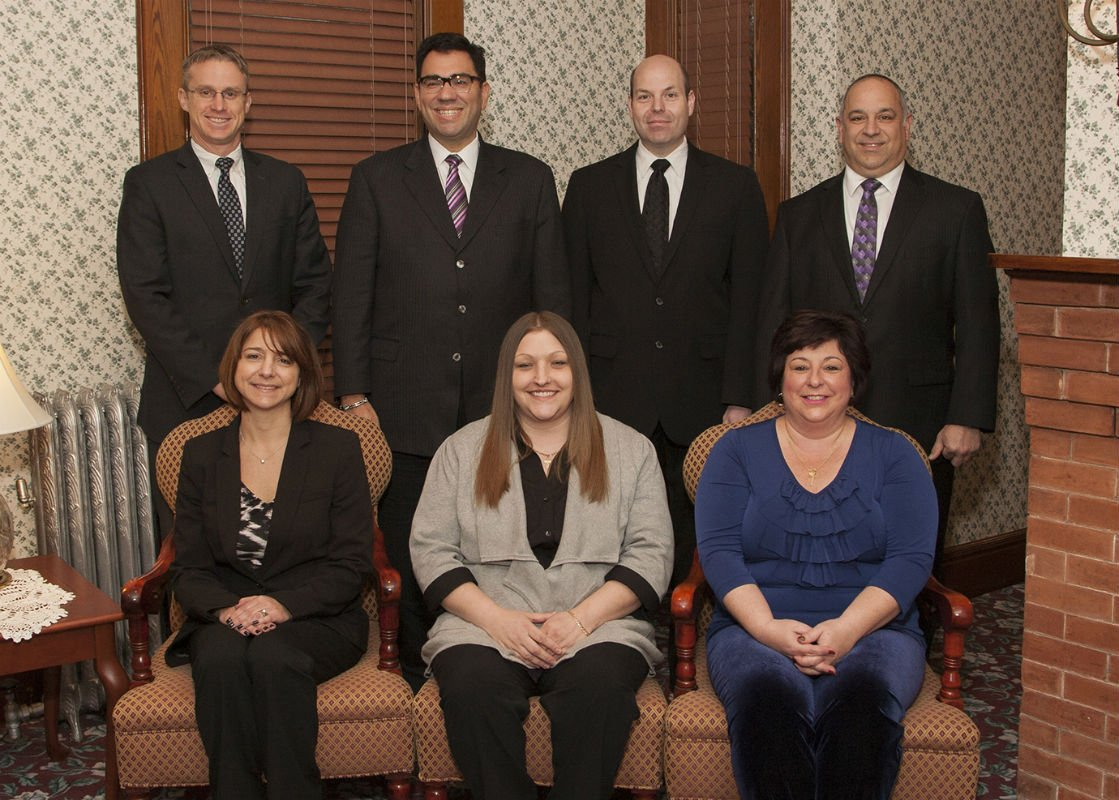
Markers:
<point>811,328</point>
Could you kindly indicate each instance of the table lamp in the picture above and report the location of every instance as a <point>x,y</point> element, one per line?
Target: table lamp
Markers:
<point>18,412</point>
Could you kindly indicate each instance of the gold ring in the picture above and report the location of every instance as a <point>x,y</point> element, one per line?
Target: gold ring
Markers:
<point>262,611</point>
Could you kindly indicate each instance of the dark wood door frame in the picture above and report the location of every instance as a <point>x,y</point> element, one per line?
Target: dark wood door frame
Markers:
<point>772,82</point>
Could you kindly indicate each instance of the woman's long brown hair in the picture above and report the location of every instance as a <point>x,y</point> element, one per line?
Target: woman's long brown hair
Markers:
<point>584,449</point>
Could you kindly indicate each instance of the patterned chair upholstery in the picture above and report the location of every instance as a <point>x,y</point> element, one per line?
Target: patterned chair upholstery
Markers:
<point>940,748</point>
<point>365,714</point>
<point>640,770</point>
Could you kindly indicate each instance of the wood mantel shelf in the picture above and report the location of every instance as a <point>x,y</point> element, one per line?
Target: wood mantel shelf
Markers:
<point>1062,264</point>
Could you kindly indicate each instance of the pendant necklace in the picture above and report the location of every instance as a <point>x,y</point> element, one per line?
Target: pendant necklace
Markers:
<point>255,455</point>
<point>811,471</point>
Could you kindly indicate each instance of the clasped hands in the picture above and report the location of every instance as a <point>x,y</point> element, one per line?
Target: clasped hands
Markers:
<point>254,615</point>
<point>540,640</point>
<point>814,650</point>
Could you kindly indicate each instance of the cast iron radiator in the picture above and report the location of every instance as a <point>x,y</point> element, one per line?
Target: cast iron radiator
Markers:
<point>94,507</point>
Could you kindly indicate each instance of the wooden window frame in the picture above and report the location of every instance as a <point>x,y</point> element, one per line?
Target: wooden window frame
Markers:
<point>163,41</point>
<point>772,85</point>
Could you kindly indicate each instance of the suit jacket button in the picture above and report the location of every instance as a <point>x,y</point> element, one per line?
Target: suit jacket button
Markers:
<point>660,344</point>
<point>462,309</point>
<point>456,357</point>
<point>245,300</point>
<point>660,301</point>
<point>460,263</point>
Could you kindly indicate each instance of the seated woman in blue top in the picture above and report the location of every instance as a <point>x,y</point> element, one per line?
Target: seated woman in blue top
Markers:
<point>816,533</point>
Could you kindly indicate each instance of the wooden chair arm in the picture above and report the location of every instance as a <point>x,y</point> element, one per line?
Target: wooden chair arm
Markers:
<point>686,600</point>
<point>954,613</point>
<point>140,597</point>
<point>388,604</point>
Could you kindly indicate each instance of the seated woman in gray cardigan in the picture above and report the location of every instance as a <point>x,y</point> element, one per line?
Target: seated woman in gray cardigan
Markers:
<point>543,536</point>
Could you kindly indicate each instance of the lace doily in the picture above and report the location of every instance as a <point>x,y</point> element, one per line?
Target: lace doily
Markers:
<point>28,604</point>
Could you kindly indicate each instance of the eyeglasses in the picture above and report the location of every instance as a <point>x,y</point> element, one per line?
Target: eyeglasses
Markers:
<point>460,82</point>
<point>206,93</point>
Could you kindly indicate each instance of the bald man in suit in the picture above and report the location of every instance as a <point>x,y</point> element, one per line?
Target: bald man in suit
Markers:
<point>906,254</point>
<point>666,308</point>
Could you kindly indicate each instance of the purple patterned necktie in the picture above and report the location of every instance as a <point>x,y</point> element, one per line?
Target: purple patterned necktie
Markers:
<point>230,207</point>
<point>456,194</point>
<point>864,244</point>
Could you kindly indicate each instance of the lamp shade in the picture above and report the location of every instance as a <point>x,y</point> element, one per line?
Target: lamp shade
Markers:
<point>18,412</point>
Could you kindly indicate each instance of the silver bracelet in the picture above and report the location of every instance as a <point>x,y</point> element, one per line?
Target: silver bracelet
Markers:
<point>355,404</point>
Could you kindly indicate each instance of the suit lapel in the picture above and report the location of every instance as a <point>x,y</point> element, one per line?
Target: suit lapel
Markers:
<point>695,185</point>
<point>293,477</point>
<point>833,222</point>
<point>489,182</point>
<point>422,180</point>
<point>198,189</point>
<point>258,198</point>
<point>228,485</point>
<point>905,210</point>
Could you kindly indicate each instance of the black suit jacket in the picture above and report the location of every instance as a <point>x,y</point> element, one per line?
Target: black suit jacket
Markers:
<point>931,309</point>
<point>179,279</point>
<point>419,313</point>
<point>319,545</point>
<point>673,348</point>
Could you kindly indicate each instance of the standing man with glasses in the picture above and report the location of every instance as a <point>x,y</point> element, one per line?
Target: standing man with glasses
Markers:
<point>666,244</point>
<point>208,234</point>
<point>906,254</point>
<point>442,245</point>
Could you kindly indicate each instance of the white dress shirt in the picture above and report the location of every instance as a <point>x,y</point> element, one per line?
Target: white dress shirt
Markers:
<point>467,169</point>
<point>209,163</point>
<point>674,176</point>
<point>884,196</point>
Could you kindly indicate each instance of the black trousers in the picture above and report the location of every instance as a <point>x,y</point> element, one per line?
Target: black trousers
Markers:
<point>255,702</point>
<point>590,702</point>
<point>680,509</point>
<point>943,473</point>
<point>395,512</point>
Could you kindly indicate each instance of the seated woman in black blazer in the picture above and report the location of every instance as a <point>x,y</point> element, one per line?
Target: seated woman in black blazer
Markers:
<point>273,532</point>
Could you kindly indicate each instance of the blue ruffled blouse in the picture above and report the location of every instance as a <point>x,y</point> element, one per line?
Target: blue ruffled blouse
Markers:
<point>811,554</point>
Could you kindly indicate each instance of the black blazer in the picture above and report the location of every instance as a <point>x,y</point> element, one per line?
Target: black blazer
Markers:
<point>676,348</point>
<point>419,313</point>
<point>180,282</point>
<point>320,544</point>
<point>931,309</point>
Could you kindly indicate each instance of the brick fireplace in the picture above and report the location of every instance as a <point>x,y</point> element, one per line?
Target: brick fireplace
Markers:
<point>1067,318</point>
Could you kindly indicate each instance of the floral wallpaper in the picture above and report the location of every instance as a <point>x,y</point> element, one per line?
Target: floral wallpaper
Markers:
<point>1091,134</point>
<point>560,75</point>
<point>68,133</point>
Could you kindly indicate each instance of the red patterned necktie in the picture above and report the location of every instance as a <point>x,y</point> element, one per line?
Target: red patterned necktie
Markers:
<point>456,193</point>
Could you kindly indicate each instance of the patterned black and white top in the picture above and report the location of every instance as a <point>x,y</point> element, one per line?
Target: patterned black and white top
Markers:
<point>256,519</point>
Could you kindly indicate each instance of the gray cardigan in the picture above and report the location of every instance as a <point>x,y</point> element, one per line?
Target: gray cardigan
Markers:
<point>631,527</point>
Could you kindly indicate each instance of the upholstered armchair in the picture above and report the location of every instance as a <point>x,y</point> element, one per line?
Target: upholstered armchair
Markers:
<point>940,748</point>
<point>365,714</point>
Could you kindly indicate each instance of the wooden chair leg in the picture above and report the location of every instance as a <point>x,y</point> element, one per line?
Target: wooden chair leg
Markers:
<point>643,794</point>
<point>435,790</point>
<point>399,786</point>
<point>136,794</point>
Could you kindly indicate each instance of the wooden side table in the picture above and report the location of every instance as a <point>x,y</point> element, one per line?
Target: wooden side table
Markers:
<point>86,633</point>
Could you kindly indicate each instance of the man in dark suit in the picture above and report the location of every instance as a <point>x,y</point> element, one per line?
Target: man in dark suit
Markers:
<point>192,265</point>
<point>907,255</point>
<point>665,244</point>
<point>442,244</point>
